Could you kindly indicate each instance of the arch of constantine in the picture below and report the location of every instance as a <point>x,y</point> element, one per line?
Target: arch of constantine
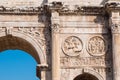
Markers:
<point>69,39</point>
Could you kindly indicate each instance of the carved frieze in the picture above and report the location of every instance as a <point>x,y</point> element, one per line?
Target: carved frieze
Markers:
<point>96,46</point>
<point>72,46</point>
<point>67,62</point>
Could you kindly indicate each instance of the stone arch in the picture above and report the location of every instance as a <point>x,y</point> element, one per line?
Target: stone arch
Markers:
<point>33,47</point>
<point>90,72</point>
<point>85,76</point>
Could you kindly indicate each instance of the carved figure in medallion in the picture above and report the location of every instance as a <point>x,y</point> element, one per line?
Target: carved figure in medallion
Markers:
<point>72,46</point>
<point>96,46</point>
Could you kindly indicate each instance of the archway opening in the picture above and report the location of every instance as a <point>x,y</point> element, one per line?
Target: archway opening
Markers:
<point>17,65</point>
<point>13,42</point>
<point>24,43</point>
<point>85,76</point>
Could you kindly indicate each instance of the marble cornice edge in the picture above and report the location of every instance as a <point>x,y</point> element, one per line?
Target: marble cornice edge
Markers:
<point>21,10</point>
<point>83,10</point>
<point>63,9</point>
<point>76,9</point>
<point>113,6</point>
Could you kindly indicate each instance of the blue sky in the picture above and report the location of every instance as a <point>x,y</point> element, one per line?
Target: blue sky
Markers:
<point>17,65</point>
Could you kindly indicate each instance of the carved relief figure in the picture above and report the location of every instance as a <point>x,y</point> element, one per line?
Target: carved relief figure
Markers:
<point>96,46</point>
<point>72,46</point>
<point>83,61</point>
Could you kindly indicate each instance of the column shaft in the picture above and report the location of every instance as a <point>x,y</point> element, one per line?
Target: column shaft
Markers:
<point>55,47</point>
<point>116,56</point>
<point>115,29</point>
<point>55,57</point>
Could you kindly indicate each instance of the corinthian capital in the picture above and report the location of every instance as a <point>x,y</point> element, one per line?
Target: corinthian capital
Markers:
<point>115,28</point>
<point>55,28</point>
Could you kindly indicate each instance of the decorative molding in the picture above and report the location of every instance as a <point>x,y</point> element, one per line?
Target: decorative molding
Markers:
<point>42,67</point>
<point>87,30</point>
<point>24,24</point>
<point>97,46</point>
<point>9,30</point>
<point>115,28</point>
<point>55,28</point>
<point>96,74</point>
<point>76,24</point>
<point>62,9</point>
<point>19,10</point>
<point>37,33</point>
<point>112,5</point>
<point>30,44</point>
<point>34,32</point>
<point>82,10</point>
<point>72,46</point>
<point>76,9</point>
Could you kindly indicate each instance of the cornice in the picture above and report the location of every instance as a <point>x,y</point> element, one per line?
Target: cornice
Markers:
<point>21,10</point>
<point>76,9</point>
<point>112,6</point>
<point>62,9</point>
<point>83,10</point>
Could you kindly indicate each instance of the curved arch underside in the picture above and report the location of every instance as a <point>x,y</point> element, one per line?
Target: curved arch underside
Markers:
<point>86,76</point>
<point>13,42</point>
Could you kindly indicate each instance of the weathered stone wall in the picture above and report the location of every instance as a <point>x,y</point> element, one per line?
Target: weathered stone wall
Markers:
<point>84,45</point>
<point>69,37</point>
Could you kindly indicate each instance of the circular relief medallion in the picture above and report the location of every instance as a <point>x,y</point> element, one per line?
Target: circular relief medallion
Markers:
<point>72,46</point>
<point>96,46</point>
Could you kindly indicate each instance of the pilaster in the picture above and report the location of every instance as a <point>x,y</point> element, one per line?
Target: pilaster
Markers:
<point>55,45</point>
<point>114,21</point>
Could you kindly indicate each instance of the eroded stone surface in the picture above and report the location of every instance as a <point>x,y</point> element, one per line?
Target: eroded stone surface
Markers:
<point>70,39</point>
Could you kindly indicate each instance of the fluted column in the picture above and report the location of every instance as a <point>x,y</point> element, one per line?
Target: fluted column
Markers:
<point>115,29</point>
<point>55,45</point>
